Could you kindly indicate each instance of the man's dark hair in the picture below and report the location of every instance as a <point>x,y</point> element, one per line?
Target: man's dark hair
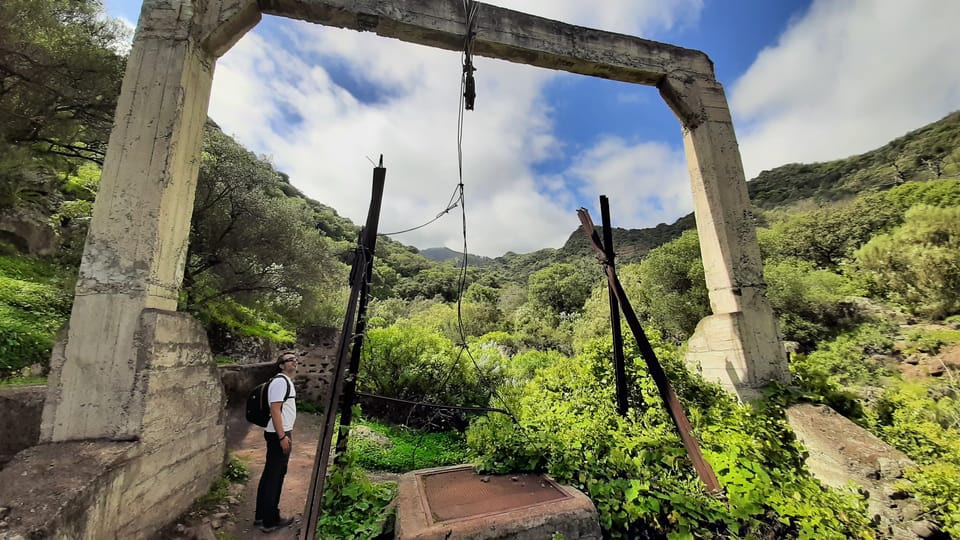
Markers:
<point>286,356</point>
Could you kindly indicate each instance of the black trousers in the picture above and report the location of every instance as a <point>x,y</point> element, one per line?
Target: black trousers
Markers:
<point>271,481</point>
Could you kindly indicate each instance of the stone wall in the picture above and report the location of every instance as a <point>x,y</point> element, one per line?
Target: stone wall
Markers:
<point>239,379</point>
<point>20,428</point>
<point>317,363</point>
<point>20,421</point>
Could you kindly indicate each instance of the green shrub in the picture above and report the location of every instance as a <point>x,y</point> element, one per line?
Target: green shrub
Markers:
<point>937,488</point>
<point>352,506</point>
<point>245,321</point>
<point>523,366</point>
<point>411,449</point>
<point>35,302</point>
<point>932,341</point>
<point>922,419</point>
<point>636,471</point>
<point>234,472</point>
<point>835,366</point>
<point>918,264</point>
<point>827,237</point>
<point>83,184</point>
<point>808,301</point>
<point>410,362</point>
<point>560,288</point>
<point>23,381</point>
<point>942,193</point>
<point>541,328</point>
<point>73,210</point>
<point>673,290</point>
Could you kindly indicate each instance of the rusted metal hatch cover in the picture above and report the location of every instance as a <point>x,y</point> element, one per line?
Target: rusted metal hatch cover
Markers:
<point>461,493</point>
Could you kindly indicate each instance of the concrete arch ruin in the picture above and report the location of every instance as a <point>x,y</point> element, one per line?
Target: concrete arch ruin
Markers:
<point>133,382</point>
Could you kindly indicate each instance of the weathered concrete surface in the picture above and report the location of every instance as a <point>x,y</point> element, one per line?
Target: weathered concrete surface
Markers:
<point>20,421</point>
<point>574,517</point>
<point>21,428</point>
<point>53,490</point>
<point>739,345</point>
<point>178,452</point>
<point>137,243</point>
<point>842,452</point>
<point>101,489</point>
<point>504,34</point>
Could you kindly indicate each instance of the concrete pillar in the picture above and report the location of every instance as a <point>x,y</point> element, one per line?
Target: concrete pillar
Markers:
<point>739,345</point>
<point>137,242</point>
<point>130,367</point>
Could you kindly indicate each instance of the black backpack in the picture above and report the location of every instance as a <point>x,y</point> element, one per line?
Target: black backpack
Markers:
<point>258,405</point>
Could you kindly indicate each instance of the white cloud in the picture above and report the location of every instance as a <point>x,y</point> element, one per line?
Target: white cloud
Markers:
<point>647,183</point>
<point>845,78</point>
<point>624,16</point>
<point>259,86</point>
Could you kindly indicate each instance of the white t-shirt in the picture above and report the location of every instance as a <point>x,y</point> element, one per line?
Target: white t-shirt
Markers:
<point>288,412</point>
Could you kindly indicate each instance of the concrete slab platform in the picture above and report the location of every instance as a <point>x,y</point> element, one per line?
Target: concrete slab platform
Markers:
<point>456,503</point>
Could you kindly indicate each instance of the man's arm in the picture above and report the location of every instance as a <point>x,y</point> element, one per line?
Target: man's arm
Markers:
<point>277,416</point>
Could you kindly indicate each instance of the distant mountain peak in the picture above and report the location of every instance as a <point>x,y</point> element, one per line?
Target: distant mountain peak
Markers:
<point>444,254</point>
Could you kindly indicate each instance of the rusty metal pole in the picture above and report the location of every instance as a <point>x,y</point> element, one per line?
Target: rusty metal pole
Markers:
<point>311,513</point>
<point>369,247</point>
<point>669,397</point>
<point>619,364</point>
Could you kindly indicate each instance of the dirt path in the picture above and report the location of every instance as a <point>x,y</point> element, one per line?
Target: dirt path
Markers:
<point>249,444</point>
<point>233,518</point>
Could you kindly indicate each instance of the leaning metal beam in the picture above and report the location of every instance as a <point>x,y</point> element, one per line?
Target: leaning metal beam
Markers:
<point>507,35</point>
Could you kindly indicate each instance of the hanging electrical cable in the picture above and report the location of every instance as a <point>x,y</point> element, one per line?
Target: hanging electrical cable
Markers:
<point>467,96</point>
<point>442,414</point>
<point>451,204</point>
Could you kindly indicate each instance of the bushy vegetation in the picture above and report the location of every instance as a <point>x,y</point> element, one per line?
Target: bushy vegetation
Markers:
<point>917,265</point>
<point>234,472</point>
<point>635,469</point>
<point>919,417</point>
<point>409,449</point>
<point>922,419</point>
<point>35,300</point>
<point>353,506</point>
<point>412,362</point>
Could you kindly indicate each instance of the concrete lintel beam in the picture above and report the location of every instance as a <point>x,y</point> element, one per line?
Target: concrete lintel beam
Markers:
<point>505,34</point>
<point>225,22</point>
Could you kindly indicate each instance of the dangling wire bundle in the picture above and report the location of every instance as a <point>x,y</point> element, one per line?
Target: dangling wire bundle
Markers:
<point>469,86</point>
<point>468,93</point>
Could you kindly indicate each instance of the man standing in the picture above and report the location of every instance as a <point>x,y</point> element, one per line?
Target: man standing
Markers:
<point>283,413</point>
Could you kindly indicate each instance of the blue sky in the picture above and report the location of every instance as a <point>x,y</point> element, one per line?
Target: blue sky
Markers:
<point>807,80</point>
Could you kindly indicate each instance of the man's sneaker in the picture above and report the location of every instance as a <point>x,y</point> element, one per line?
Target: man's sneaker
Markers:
<point>282,524</point>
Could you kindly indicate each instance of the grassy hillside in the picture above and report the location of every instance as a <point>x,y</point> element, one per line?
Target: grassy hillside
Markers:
<point>930,152</point>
